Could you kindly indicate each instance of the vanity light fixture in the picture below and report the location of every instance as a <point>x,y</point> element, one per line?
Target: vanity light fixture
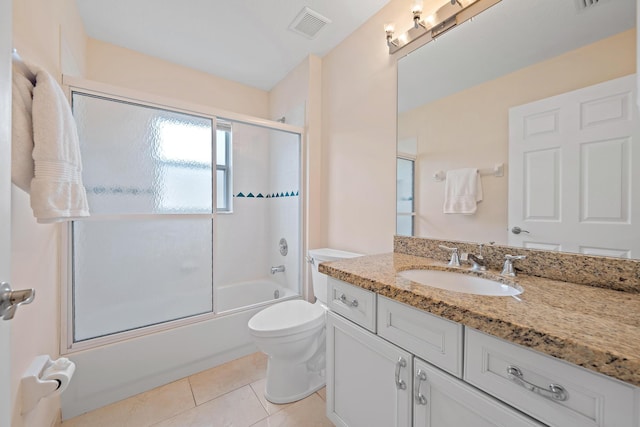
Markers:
<point>416,10</point>
<point>388,28</point>
<point>450,14</point>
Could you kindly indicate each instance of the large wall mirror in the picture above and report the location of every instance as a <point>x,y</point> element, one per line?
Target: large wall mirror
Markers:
<point>535,95</point>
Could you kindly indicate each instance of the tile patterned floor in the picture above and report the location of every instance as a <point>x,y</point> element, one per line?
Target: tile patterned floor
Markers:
<point>227,395</point>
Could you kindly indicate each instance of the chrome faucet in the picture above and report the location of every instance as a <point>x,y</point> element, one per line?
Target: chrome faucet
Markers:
<point>455,259</point>
<point>478,261</point>
<point>507,268</point>
<point>278,269</point>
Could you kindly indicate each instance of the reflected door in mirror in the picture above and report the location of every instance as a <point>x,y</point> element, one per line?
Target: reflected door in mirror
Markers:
<point>571,180</point>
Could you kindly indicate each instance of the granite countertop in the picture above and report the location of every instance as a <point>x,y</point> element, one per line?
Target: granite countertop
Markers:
<point>598,329</point>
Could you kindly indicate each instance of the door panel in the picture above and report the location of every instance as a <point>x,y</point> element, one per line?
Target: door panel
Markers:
<point>571,174</point>
<point>361,387</point>
<point>5,202</point>
<point>449,402</point>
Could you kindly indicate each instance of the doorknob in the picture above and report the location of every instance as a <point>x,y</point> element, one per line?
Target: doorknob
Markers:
<point>11,300</point>
<point>518,230</point>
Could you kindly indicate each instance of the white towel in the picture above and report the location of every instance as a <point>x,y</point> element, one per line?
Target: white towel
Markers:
<point>462,191</point>
<point>57,192</point>
<point>21,131</point>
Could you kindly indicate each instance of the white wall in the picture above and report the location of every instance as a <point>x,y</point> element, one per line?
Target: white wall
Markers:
<point>126,68</point>
<point>359,136</point>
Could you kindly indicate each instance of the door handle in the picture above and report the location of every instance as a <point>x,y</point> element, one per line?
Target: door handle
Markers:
<point>518,230</point>
<point>10,300</point>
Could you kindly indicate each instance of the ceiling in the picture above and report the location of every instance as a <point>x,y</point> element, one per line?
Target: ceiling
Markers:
<point>509,36</point>
<point>247,41</point>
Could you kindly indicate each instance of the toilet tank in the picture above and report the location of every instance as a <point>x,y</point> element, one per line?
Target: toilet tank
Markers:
<point>318,279</point>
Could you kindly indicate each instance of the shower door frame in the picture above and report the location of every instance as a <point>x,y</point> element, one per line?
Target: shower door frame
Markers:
<point>71,84</point>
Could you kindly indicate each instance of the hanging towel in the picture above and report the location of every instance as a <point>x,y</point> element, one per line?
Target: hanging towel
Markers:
<point>462,191</point>
<point>21,131</point>
<point>57,192</point>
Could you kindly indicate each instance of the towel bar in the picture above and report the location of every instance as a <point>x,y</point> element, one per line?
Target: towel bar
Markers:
<point>23,67</point>
<point>497,171</point>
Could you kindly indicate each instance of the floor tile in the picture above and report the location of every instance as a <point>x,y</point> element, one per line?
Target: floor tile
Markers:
<point>309,412</point>
<point>239,408</point>
<point>209,384</point>
<point>140,410</point>
<point>271,408</point>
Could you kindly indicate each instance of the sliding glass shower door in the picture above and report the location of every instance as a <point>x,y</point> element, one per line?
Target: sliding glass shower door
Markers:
<point>145,255</point>
<point>182,204</point>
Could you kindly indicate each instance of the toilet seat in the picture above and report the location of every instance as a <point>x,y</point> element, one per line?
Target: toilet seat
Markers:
<point>287,318</point>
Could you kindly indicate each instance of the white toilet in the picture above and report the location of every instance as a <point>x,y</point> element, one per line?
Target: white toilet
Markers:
<point>292,335</point>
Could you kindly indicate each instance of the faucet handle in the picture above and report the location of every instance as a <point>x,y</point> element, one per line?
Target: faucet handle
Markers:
<point>455,259</point>
<point>507,268</point>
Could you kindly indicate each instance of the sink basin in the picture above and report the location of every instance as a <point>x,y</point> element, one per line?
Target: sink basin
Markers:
<point>460,282</point>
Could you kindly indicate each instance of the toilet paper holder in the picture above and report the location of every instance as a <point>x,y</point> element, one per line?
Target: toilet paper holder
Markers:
<point>45,378</point>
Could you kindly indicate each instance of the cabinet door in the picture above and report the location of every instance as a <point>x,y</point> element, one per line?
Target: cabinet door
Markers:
<point>363,377</point>
<point>444,401</point>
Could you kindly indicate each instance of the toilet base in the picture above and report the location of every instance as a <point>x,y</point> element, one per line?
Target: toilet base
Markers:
<point>288,383</point>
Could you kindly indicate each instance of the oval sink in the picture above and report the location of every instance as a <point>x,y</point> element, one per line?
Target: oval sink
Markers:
<point>460,282</point>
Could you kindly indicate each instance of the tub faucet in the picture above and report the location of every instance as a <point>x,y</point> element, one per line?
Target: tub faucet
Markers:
<point>278,269</point>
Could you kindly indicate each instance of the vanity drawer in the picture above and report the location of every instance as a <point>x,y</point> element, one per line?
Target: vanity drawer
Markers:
<point>432,338</point>
<point>352,302</point>
<point>590,399</point>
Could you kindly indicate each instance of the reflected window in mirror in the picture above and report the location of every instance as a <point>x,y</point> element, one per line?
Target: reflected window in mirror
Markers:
<point>405,196</point>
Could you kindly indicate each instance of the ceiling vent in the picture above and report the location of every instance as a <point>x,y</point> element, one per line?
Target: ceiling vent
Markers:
<point>586,4</point>
<point>308,23</point>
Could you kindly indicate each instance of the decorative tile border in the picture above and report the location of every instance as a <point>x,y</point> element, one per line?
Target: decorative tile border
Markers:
<point>267,196</point>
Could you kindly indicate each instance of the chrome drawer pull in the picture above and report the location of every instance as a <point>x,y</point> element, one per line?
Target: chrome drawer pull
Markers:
<point>400,384</point>
<point>553,392</point>
<point>420,398</point>
<point>353,303</point>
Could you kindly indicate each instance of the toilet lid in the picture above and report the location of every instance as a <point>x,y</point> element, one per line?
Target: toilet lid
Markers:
<point>287,317</point>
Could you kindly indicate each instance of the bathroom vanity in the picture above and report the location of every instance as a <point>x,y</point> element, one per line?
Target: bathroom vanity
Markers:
<point>401,354</point>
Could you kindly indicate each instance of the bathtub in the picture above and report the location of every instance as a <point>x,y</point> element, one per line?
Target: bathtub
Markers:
<point>119,370</point>
<point>249,294</point>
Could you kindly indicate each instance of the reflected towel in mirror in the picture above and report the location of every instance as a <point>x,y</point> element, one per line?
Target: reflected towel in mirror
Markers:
<point>462,191</point>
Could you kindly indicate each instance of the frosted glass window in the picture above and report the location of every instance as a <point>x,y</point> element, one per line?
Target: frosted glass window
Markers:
<point>134,273</point>
<point>139,159</point>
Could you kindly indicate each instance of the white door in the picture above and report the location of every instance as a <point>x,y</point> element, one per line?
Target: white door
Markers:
<point>5,201</point>
<point>574,180</point>
<point>363,372</point>
<point>444,401</point>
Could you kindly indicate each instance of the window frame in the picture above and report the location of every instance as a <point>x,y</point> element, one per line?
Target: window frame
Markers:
<point>227,128</point>
<point>413,159</point>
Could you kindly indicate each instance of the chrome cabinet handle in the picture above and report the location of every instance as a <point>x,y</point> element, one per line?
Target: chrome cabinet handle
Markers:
<point>518,230</point>
<point>10,300</point>
<point>420,398</point>
<point>400,384</point>
<point>344,299</point>
<point>553,392</point>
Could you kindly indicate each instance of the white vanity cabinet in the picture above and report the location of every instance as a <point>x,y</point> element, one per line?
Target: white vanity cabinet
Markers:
<point>444,401</point>
<point>368,378</point>
<point>551,390</point>
<point>379,379</point>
